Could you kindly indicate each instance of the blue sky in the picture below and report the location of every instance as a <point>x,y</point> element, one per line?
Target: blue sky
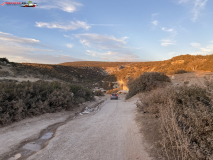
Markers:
<point>113,30</point>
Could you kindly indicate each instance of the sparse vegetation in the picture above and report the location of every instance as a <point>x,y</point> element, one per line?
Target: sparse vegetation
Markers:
<point>186,82</point>
<point>176,65</point>
<point>95,64</point>
<point>185,118</point>
<point>64,73</point>
<point>4,60</point>
<point>4,73</point>
<point>181,117</point>
<point>18,101</point>
<point>146,82</point>
<point>98,93</point>
<point>180,71</point>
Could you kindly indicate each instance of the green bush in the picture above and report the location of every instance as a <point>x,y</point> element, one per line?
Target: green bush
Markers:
<point>18,101</point>
<point>98,93</point>
<point>146,82</point>
<point>75,88</point>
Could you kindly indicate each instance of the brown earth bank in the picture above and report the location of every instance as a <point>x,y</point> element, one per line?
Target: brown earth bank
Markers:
<point>176,121</point>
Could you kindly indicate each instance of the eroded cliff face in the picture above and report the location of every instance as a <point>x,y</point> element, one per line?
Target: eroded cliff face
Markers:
<point>110,70</point>
<point>119,83</point>
<point>123,85</point>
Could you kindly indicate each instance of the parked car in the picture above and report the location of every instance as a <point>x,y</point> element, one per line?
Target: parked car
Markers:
<point>114,96</point>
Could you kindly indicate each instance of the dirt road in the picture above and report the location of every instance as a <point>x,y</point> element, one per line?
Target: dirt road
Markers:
<point>110,134</point>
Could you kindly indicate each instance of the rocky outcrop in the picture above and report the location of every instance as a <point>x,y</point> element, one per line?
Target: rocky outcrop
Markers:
<point>178,62</point>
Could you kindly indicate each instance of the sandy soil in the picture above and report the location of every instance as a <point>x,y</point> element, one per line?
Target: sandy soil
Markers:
<point>192,77</point>
<point>110,134</point>
<point>26,130</point>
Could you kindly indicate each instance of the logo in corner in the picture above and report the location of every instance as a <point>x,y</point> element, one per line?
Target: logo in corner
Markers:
<point>22,4</point>
<point>3,3</point>
<point>29,4</point>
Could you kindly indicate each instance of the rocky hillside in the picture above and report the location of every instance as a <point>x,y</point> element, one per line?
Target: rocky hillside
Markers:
<point>92,72</point>
<point>176,65</point>
<point>109,67</point>
<point>124,71</point>
<point>81,75</point>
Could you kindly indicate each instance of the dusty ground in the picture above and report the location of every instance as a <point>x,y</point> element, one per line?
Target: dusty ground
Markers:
<point>12,136</point>
<point>110,134</point>
<point>192,77</point>
<point>18,78</point>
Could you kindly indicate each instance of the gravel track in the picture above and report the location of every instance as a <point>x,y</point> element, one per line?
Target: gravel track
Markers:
<point>110,134</point>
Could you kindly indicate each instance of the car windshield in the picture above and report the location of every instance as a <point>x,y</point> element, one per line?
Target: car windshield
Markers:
<point>114,94</point>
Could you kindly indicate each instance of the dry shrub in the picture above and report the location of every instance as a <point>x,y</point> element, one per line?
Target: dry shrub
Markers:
<point>180,71</point>
<point>146,82</point>
<point>186,119</point>
<point>98,93</point>
<point>4,73</point>
<point>18,101</point>
<point>150,101</point>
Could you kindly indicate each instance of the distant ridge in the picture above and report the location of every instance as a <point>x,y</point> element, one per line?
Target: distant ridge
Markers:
<point>95,64</point>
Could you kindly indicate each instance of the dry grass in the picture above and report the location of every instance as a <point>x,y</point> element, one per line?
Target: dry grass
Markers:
<point>150,129</point>
<point>185,117</point>
<point>95,64</point>
<point>146,82</point>
<point>98,93</point>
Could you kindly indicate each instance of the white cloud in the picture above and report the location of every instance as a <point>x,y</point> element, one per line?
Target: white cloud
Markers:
<point>109,25</point>
<point>171,53</point>
<point>112,49</point>
<point>198,7</point>
<point>69,6</point>
<point>196,45</point>
<point>19,49</point>
<point>96,54</point>
<point>114,56</point>
<point>69,45</point>
<point>101,41</point>
<point>155,14</point>
<point>66,36</point>
<point>6,37</point>
<point>155,23</point>
<point>167,42</point>
<point>171,30</point>
<point>71,26</point>
<point>202,50</point>
<point>5,33</point>
<point>168,30</point>
<point>18,53</point>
